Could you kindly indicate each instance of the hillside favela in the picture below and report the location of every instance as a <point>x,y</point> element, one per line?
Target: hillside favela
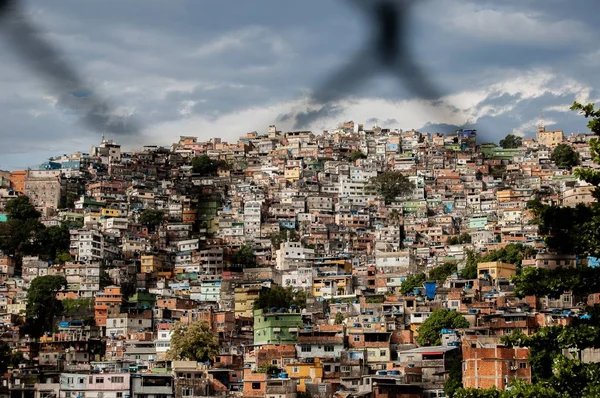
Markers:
<point>354,262</point>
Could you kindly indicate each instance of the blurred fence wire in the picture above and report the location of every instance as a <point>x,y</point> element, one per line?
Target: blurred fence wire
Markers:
<point>386,51</point>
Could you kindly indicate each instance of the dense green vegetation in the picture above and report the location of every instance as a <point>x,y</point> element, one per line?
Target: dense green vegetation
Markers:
<point>564,156</point>
<point>195,342</point>
<point>442,272</point>
<point>572,231</point>
<point>391,185</point>
<point>357,155</point>
<point>412,282</point>
<point>24,235</point>
<point>244,257</point>
<point>430,330</point>
<point>42,305</point>
<point>152,218</point>
<point>280,297</point>
<point>206,166</point>
<point>459,240</point>
<point>511,141</point>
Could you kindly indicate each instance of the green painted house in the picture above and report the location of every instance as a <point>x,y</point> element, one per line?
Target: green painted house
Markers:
<point>276,327</point>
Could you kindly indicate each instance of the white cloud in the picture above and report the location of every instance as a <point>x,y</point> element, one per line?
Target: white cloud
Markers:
<point>240,39</point>
<point>509,26</point>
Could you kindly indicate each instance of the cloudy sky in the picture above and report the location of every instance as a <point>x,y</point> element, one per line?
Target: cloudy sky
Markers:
<point>220,68</point>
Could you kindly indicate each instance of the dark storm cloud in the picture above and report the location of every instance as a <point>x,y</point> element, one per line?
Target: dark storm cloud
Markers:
<point>45,60</point>
<point>304,119</point>
<point>165,61</point>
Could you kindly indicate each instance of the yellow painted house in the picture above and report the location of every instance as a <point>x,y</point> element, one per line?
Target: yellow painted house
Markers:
<point>305,372</point>
<point>497,269</point>
<point>244,298</point>
<point>292,173</point>
<point>150,263</point>
<point>332,285</point>
<point>110,212</point>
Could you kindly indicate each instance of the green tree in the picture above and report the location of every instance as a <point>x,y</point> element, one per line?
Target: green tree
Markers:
<point>590,175</point>
<point>354,156</point>
<point>454,380</point>
<point>206,166</point>
<point>412,282</point>
<point>465,237</point>
<point>195,342</point>
<point>53,240</point>
<point>152,218</point>
<point>442,272</point>
<point>78,306</point>
<point>390,185</point>
<point>279,237</point>
<point>17,235</point>
<point>8,357</point>
<point>268,369</point>
<point>42,305</point>
<point>20,208</point>
<point>513,253</point>
<point>477,393</point>
<point>339,318</point>
<point>453,240</point>
<point>517,389</point>
<point>570,230</point>
<point>553,282</point>
<point>430,330</point>
<point>470,269</point>
<point>244,257</point>
<point>511,141</point>
<point>280,297</point>
<point>564,156</point>
<point>62,257</point>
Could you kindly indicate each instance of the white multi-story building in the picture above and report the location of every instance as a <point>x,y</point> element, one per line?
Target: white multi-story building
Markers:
<point>290,253</point>
<point>394,262</point>
<point>87,244</point>
<point>83,279</point>
<point>252,219</point>
<point>100,385</point>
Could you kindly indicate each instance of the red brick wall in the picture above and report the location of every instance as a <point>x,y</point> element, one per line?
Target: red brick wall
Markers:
<point>487,367</point>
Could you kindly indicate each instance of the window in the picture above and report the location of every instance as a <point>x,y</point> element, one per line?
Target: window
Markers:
<point>99,380</point>
<point>382,353</point>
<point>346,368</point>
<point>117,379</point>
<point>306,348</point>
<point>295,369</point>
<point>371,354</point>
<point>328,348</point>
<point>256,386</point>
<point>523,365</point>
<point>356,337</point>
